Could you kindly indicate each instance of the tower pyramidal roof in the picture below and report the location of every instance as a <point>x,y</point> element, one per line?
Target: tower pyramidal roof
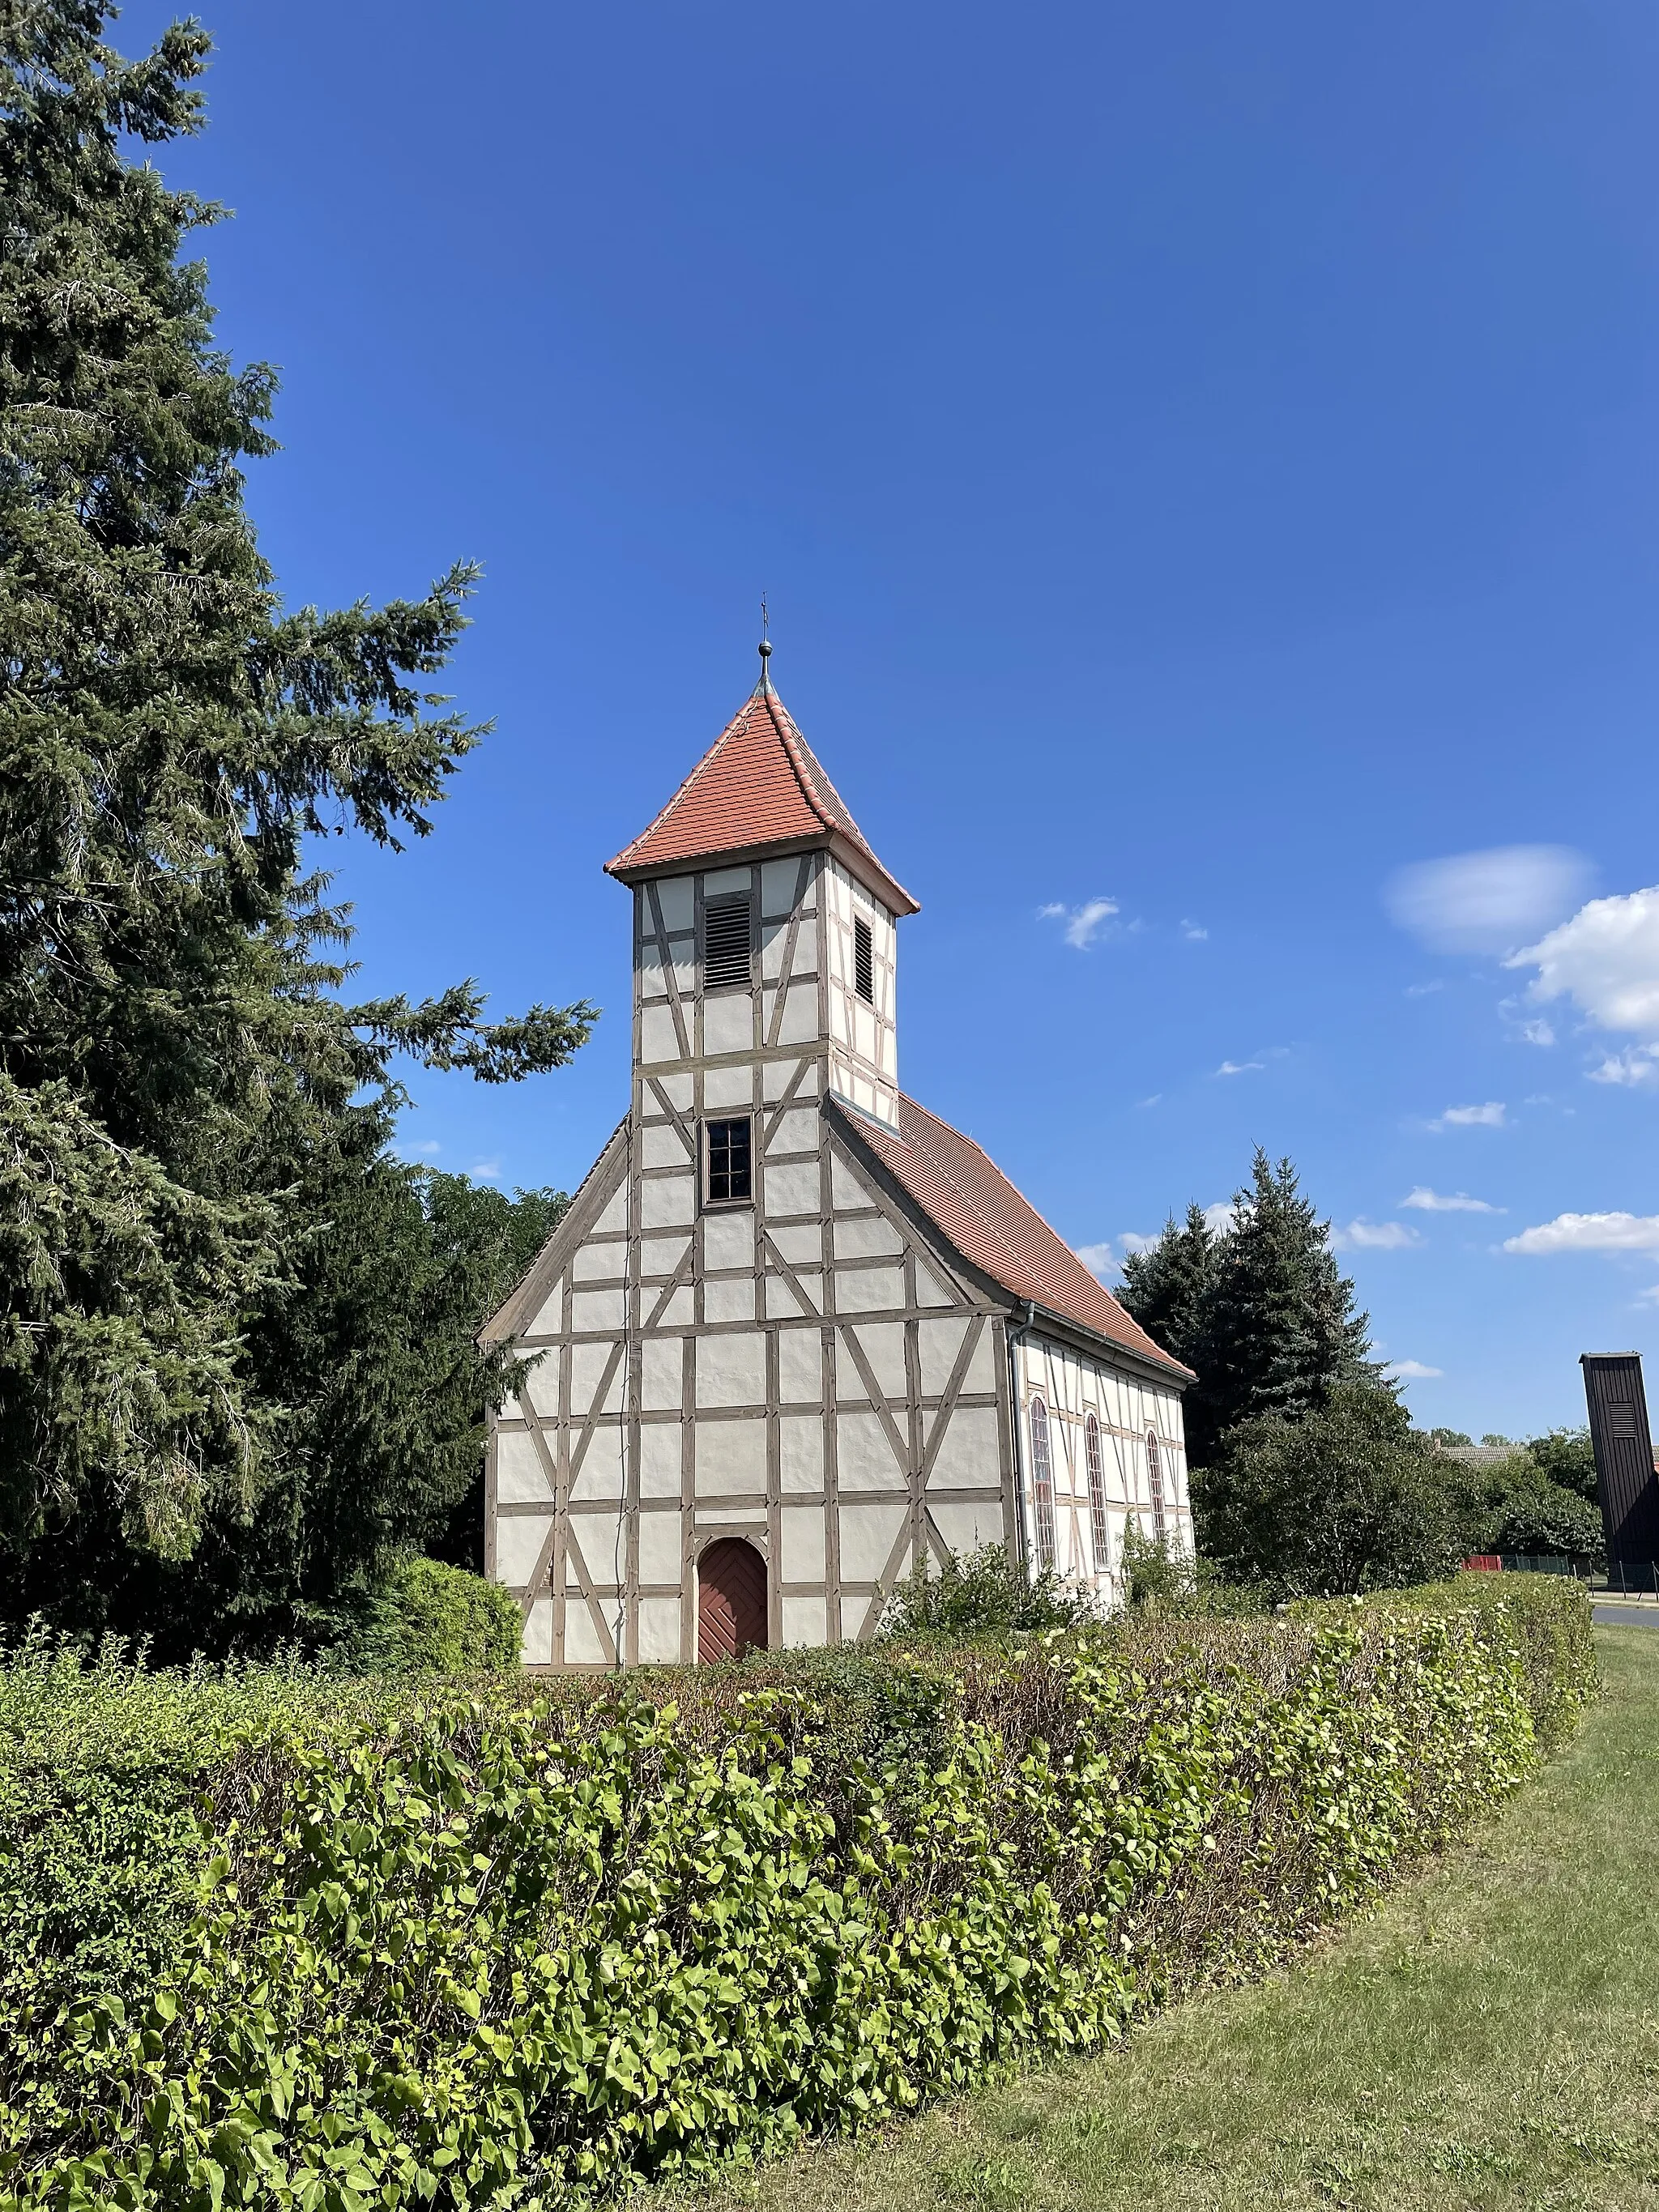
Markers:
<point>758,790</point>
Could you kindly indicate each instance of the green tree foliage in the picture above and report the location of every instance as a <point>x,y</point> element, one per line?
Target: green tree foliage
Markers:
<point>1346,1497</point>
<point>1538,1499</point>
<point>1536,1516</point>
<point>1515,1506</point>
<point>1448,1436</point>
<point>376,1351</point>
<point>1566,1458</point>
<point>1260,1311</point>
<point>213,1281</point>
<point>1168,1288</point>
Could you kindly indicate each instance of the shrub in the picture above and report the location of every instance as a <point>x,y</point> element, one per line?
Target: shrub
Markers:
<point>984,1595</point>
<point>1345,1498</point>
<point>528,1947</point>
<point>430,1619</point>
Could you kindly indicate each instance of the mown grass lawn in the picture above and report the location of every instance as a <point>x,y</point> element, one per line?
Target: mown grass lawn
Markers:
<point>1490,2038</point>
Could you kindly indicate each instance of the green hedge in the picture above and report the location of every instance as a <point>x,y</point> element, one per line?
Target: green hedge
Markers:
<point>519,1948</point>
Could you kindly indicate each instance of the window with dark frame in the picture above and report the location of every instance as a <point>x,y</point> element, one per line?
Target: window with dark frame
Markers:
<point>730,1172</point>
<point>1155,1482</point>
<point>1042,1486</point>
<point>1099,1527</point>
<point>726,943</point>
<point>864,961</point>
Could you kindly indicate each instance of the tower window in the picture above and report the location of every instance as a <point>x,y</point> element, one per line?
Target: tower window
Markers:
<point>1155,1483</point>
<point>726,943</point>
<point>864,961</point>
<point>1042,1486</point>
<point>1097,1523</point>
<point>729,1169</point>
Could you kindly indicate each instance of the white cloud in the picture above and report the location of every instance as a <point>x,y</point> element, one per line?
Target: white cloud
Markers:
<point>1590,1232</point>
<point>1363,1236</point>
<point>1153,1100</point>
<point>425,1151</point>
<point>1239,1067</point>
<point>1193,932</point>
<point>1412,1371</point>
<point>1435,1201</point>
<point>1219,1218</point>
<point>1538,1032</point>
<point>1650,1296</point>
<point>1422,990</point>
<point>485,1171</point>
<point>1486,902</point>
<point>1605,960</point>
<point>1082,923</point>
<point>1639,1064</point>
<point>1489,1116</point>
<point>1100,1260</point>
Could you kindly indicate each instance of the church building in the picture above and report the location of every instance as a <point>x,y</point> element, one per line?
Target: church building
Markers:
<point>798,1334</point>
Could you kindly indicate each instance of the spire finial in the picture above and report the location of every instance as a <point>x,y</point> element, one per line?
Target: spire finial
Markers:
<point>765,646</point>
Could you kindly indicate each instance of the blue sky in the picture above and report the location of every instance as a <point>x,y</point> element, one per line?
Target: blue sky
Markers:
<point>1202,463</point>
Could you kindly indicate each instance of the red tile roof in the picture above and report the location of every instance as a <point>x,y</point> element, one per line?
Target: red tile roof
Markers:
<point>757,785</point>
<point>979,1211</point>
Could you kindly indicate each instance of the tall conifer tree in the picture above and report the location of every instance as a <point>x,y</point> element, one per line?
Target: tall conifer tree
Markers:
<point>1167,1287</point>
<point>205,1338</point>
<point>1263,1313</point>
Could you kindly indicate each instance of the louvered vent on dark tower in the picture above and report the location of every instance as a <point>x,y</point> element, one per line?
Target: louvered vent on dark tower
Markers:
<point>726,943</point>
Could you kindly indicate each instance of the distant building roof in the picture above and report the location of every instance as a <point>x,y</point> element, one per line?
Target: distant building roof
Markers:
<point>758,787</point>
<point>978,1211</point>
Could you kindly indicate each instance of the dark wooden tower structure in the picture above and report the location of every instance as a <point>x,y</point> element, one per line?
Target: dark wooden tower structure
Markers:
<point>1623,1454</point>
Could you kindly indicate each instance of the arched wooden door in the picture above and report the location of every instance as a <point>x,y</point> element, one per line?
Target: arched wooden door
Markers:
<point>731,1599</point>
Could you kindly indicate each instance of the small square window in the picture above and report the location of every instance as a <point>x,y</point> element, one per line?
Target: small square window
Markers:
<point>729,1172</point>
<point>864,962</point>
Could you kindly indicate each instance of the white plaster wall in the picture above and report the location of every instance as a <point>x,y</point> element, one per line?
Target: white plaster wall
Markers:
<point>864,1058</point>
<point>1127,1406</point>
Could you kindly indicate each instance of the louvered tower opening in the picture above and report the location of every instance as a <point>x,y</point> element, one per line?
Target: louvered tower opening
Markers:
<point>726,943</point>
<point>864,962</point>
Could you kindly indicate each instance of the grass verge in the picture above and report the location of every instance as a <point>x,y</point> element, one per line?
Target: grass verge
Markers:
<point>1489,2039</point>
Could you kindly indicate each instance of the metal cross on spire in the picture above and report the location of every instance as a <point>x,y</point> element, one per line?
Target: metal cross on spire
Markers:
<point>765,646</point>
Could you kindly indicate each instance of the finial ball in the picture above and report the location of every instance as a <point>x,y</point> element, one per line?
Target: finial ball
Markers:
<point>765,650</point>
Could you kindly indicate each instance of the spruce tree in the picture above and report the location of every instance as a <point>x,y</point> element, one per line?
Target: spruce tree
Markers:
<point>1262,1312</point>
<point>1167,1287</point>
<point>206,1280</point>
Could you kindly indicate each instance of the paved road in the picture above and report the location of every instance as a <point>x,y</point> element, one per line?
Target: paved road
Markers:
<point>1627,1616</point>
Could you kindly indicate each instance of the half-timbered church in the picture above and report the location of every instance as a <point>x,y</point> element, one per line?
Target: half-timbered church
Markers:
<point>796,1332</point>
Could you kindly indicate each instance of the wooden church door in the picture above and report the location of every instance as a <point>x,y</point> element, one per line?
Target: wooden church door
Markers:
<point>731,1599</point>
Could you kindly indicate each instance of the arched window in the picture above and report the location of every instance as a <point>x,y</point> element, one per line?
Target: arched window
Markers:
<point>1097,1522</point>
<point>1042,1484</point>
<point>1155,1482</point>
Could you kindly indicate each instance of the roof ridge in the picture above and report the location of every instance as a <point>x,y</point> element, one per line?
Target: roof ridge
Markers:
<point>794,743</point>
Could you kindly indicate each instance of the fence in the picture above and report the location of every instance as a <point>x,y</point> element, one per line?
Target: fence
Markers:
<point>1622,1578</point>
<point>1630,1578</point>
